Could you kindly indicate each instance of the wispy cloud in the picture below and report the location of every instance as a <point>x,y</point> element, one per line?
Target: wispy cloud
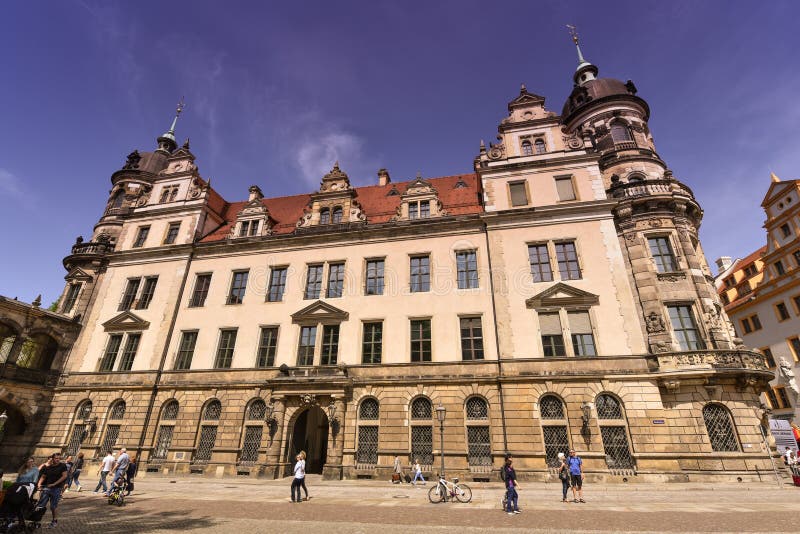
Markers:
<point>10,185</point>
<point>317,152</point>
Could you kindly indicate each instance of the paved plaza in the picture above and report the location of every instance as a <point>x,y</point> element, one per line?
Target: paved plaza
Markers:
<point>199,505</point>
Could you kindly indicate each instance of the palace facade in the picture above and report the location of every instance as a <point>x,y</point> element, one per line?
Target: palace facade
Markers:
<point>557,296</point>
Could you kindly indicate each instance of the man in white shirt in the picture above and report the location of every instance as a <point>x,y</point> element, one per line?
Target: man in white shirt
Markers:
<point>788,457</point>
<point>120,466</point>
<point>108,465</point>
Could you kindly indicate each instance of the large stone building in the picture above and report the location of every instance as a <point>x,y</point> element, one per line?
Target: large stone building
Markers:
<point>761,293</point>
<point>557,295</point>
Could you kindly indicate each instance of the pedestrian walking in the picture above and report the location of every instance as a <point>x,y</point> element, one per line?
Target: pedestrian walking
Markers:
<point>106,466</point>
<point>303,480</point>
<point>417,472</point>
<point>299,475</point>
<point>789,459</point>
<point>51,480</point>
<point>133,467</point>
<point>28,473</point>
<point>576,476</point>
<point>509,476</point>
<point>70,464</point>
<point>120,467</point>
<point>397,476</point>
<point>76,473</point>
<point>563,475</point>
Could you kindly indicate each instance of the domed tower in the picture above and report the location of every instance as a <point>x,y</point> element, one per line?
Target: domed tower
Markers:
<point>657,216</point>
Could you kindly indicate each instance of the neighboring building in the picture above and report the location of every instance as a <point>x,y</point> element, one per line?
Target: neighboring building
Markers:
<point>34,344</point>
<point>762,293</point>
<point>558,295</point>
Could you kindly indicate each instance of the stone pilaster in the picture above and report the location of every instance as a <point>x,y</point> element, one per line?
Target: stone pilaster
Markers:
<point>273,466</point>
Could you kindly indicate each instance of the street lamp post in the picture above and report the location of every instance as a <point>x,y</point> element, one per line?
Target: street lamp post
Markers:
<point>441,413</point>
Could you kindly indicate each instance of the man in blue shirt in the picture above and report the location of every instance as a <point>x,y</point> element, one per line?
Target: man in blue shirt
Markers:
<point>576,475</point>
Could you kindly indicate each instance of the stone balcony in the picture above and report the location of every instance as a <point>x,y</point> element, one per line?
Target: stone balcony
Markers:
<point>12,372</point>
<point>87,252</point>
<point>648,188</point>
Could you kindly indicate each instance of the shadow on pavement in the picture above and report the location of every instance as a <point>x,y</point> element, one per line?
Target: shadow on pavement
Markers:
<point>79,515</point>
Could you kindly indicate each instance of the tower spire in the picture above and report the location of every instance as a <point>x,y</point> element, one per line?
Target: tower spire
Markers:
<point>585,71</point>
<point>167,143</point>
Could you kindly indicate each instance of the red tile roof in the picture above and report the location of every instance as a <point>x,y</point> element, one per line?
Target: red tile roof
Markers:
<point>376,203</point>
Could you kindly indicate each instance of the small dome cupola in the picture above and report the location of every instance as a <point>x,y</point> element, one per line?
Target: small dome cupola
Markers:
<point>166,142</point>
<point>586,71</point>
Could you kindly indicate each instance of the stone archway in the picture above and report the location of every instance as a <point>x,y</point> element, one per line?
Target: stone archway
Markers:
<point>309,433</point>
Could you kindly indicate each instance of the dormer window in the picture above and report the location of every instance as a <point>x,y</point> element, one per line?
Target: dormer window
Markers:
<point>419,210</point>
<point>540,146</point>
<point>168,194</point>
<point>527,148</point>
<point>325,216</point>
<point>249,228</point>
<point>337,215</point>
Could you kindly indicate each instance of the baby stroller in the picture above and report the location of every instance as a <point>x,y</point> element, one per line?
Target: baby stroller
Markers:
<point>19,512</point>
<point>117,493</point>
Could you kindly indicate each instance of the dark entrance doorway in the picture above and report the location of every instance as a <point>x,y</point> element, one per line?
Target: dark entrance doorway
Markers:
<point>310,434</point>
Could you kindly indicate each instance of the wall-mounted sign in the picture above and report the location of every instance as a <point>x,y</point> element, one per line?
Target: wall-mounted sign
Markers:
<point>781,430</point>
<point>658,422</point>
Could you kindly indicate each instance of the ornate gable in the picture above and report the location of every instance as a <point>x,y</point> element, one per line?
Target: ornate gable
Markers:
<point>180,162</point>
<point>124,322</point>
<point>319,311</point>
<point>562,295</point>
<point>253,220</point>
<point>334,203</point>
<point>420,201</point>
<point>79,275</point>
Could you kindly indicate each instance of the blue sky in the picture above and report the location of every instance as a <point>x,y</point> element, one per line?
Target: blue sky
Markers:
<point>276,91</point>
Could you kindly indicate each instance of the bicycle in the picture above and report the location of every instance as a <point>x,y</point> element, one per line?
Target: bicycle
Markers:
<point>444,489</point>
<point>117,493</point>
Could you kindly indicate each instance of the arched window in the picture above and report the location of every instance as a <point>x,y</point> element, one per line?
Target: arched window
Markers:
<point>169,414</point>
<point>614,433</point>
<point>554,428</point>
<point>421,431</point>
<point>207,436</point>
<point>368,417</point>
<point>479,442</point>
<point>212,411</point>
<point>527,148</point>
<point>119,198</point>
<point>539,146</point>
<point>37,352</point>
<point>635,177</point>
<point>257,410</point>
<point>719,427</point>
<point>80,428</point>
<point>7,338</point>
<point>115,415</point>
<point>252,432</point>
<point>620,133</point>
<point>324,216</point>
<point>337,215</point>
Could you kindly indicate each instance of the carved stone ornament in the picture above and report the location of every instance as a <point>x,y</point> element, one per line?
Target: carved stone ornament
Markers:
<point>671,385</point>
<point>307,399</point>
<point>356,213</point>
<point>196,189</point>
<point>144,196</point>
<point>785,373</point>
<point>655,323</point>
<point>573,141</point>
<point>497,151</point>
<point>305,220</point>
<point>630,238</point>
<point>713,318</point>
<point>660,347</point>
<point>132,161</point>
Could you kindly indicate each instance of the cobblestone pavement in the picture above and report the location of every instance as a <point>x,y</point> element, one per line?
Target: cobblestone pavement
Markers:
<point>195,505</point>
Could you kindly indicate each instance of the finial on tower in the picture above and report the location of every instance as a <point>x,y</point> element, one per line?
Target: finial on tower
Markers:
<point>774,177</point>
<point>585,71</point>
<point>167,143</point>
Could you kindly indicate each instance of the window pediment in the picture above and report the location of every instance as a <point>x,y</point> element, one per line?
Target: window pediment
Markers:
<point>420,201</point>
<point>319,311</point>
<point>124,322</point>
<point>78,274</point>
<point>562,296</point>
<point>253,220</point>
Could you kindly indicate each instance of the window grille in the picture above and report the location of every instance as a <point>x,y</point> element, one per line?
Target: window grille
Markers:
<point>367,452</point>
<point>477,409</point>
<point>369,410</point>
<point>556,440</point>
<point>615,446</point>
<point>720,428</point>
<point>479,446</point>
<point>110,439</point>
<point>608,407</point>
<point>257,410</point>
<point>212,411</point>
<point>252,442</point>
<point>118,410</point>
<point>551,407</point>
<point>422,444</point>
<point>162,444</point>
<point>84,410</point>
<point>170,411</point>
<point>74,444</point>
<point>208,436</point>
<point>421,409</point>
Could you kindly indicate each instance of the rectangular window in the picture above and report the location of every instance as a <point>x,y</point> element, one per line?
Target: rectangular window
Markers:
<point>746,328</point>
<point>424,209</point>
<point>794,343</point>
<point>567,257</point>
<point>374,285</point>
<point>172,233</point>
<point>277,284</point>
<point>768,357</point>
<point>796,255</point>
<point>539,259</point>
<point>756,322</point>
<point>783,397</point>
<point>421,340</point>
<point>244,228</point>
<point>685,328</point>
<point>785,230</point>
<point>773,399</point>
<point>782,310</point>
<point>372,344</point>
<point>267,345</point>
<point>186,351</point>
<point>581,330</point>
<point>129,353</point>
<point>335,280</point>
<point>200,292</point>
<point>110,355</point>
<point>779,268</point>
<point>519,194</point>
<point>141,237</point>
<point>565,189</point>
<point>413,210</point>
<point>227,342</point>
<point>467,269</point>
<point>147,292</point>
<point>305,350</point>
<point>471,338</point>
<point>238,287</point>
<point>796,301</point>
<point>72,296</point>
<point>420,274</point>
<point>552,335</point>
<point>313,282</point>
<point>254,227</point>
<point>330,344</point>
<point>725,299</point>
<point>130,294</point>
<point>661,251</point>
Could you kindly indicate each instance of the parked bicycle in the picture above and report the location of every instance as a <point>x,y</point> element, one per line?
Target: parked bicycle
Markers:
<point>452,490</point>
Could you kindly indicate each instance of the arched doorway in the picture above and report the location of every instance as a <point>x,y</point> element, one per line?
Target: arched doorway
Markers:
<point>310,434</point>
